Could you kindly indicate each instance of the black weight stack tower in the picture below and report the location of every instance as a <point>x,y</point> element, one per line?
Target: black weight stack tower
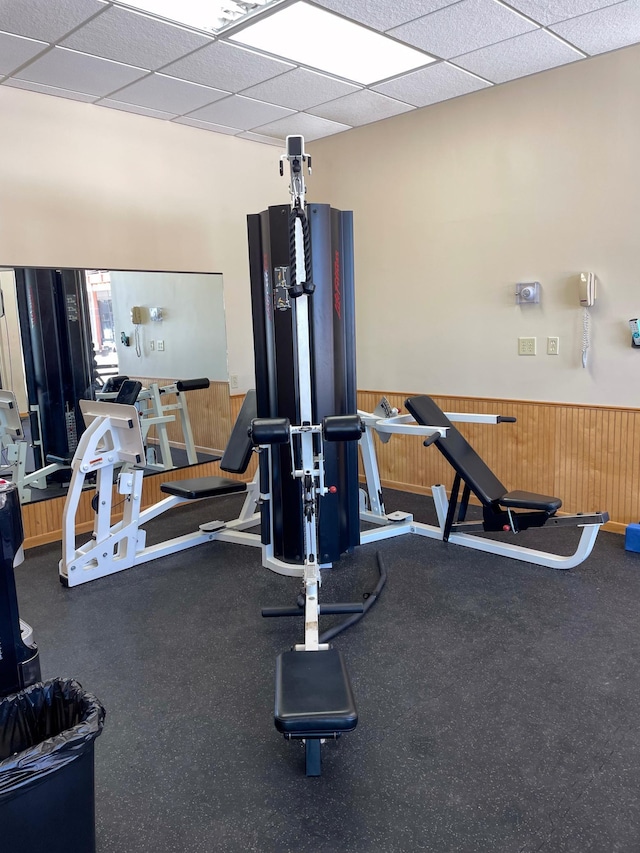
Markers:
<point>332,368</point>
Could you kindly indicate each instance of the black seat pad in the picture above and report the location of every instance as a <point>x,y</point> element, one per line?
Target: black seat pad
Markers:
<point>203,487</point>
<point>529,500</point>
<point>313,694</point>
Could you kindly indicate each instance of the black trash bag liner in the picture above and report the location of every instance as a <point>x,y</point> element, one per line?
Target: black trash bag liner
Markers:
<point>43,728</point>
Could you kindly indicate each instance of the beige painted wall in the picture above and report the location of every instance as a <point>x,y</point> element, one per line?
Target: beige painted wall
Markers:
<point>534,180</point>
<point>454,204</point>
<point>85,186</point>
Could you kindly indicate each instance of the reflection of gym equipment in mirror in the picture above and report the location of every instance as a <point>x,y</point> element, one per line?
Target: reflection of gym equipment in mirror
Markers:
<point>15,450</point>
<point>156,412</point>
<point>60,342</point>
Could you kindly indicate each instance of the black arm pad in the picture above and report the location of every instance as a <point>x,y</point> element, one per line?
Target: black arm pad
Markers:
<point>342,428</point>
<point>269,431</point>
<point>505,419</point>
<point>191,384</point>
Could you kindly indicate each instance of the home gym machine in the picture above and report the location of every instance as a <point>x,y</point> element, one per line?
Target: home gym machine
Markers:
<point>19,656</point>
<point>301,265</point>
<point>504,513</point>
<point>156,411</point>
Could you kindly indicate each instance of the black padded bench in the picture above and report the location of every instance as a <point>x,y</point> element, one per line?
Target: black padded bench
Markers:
<point>203,487</point>
<point>314,700</point>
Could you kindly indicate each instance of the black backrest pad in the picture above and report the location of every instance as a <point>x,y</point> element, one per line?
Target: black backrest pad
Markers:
<point>128,393</point>
<point>457,451</point>
<point>237,454</point>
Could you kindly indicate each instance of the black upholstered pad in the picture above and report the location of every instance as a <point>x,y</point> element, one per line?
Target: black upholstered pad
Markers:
<point>203,487</point>
<point>473,470</point>
<point>192,384</point>
<point>457,450</point>
<point>529,500</point>
<point>313,694</point>
<point>237,454</point>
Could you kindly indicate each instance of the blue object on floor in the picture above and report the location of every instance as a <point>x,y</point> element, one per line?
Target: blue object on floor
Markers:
<point>632,537</point>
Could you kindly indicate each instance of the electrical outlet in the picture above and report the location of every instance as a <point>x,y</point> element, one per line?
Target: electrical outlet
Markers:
<point>233,381</point>
<point>152,345</point>
<point>526,346</point>
<point>160,346</point>
<point>553,345</point>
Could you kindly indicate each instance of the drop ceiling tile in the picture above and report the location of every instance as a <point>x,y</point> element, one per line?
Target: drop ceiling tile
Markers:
<point>207,125</point>
<point>552,11</point>
<point>311,127</point>
<point>127,36</point>
<point>225,66</point>
<point>607,29</point>
<point>16,50</point>
<point>133,108</point>
<point>259,137</point>
<point>168,94</point>
<point>48,90</point>
<point>526,54</point>
<point>79,72</point>
<point>382,15</point>
<point>46,19</point>
<point>237,111</point>
<point>361,108</point>
<point>430,85</point>
<point>463,27</point>
<point>300,89</point>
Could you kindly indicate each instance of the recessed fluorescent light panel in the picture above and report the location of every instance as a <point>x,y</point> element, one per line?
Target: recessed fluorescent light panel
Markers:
<point>315,37</point>
<point>209,15</point>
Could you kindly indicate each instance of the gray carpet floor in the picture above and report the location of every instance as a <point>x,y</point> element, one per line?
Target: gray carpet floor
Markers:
<point>498,701</point>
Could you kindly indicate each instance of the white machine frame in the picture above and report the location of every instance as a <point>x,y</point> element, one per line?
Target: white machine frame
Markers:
<point>386,422</point>
<point>113,439</point>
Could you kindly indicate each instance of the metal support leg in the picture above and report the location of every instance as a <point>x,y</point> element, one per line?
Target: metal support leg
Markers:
<point>312,756</point>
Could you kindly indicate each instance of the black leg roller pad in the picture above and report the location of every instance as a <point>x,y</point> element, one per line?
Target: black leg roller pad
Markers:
<point>314,700</point>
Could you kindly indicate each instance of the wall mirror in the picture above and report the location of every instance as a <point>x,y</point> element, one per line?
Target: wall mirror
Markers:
<point>72,334</point>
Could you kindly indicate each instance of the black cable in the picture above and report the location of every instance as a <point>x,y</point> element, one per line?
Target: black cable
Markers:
<point>295,214</point>
<point>368,604</point>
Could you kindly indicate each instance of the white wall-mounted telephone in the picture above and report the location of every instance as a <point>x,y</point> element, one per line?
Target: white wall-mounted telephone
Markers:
<point>136,319</point>
<point>587,289</point>
<point>587,296</point>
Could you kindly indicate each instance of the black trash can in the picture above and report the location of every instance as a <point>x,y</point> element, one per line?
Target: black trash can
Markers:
<point>47,736</point>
